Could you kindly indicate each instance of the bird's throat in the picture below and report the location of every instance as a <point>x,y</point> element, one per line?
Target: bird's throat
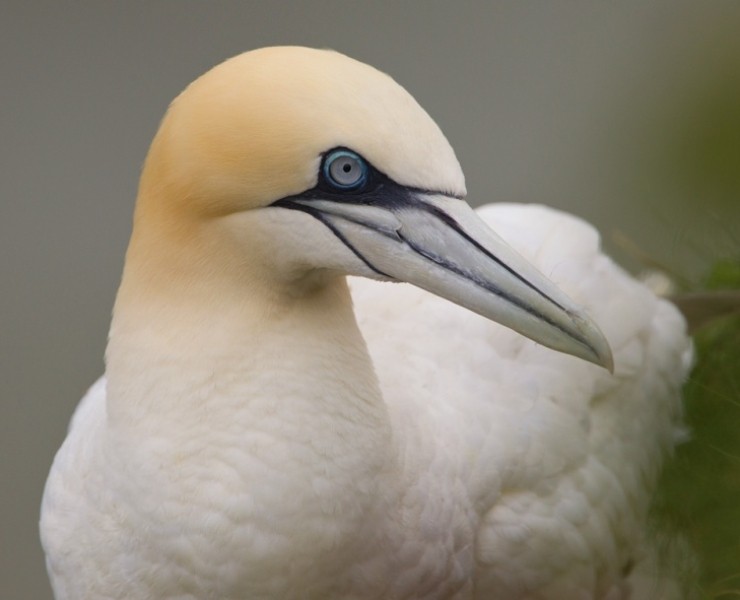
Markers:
<point>187,353</point>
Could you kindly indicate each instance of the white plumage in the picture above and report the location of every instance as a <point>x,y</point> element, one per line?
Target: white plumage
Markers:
<point>563,455</point>
<point>252,446</point>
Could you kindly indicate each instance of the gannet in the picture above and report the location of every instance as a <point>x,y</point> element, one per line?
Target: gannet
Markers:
<point>258,435</point>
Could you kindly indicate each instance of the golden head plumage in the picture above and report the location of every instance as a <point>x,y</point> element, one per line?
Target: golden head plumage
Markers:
<point>253,130</point>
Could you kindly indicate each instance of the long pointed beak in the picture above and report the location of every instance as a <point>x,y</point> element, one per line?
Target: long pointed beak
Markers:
<point>441,245</point>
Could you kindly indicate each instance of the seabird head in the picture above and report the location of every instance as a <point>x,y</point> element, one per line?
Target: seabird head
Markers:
<point>291,166</point>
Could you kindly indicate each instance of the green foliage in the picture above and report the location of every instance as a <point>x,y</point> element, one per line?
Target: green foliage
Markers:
<point>725,275</point>
<point>699,492</point>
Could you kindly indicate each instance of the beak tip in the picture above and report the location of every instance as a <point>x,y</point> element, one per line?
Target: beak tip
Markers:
<point>605,359</point>
<point>599,350</point>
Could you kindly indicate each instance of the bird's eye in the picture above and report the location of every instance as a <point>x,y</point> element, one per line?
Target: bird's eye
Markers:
<point>345,170</point>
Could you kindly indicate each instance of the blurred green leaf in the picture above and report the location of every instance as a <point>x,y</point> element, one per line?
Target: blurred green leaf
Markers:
<point>699,493</point>
<point>724,275</point>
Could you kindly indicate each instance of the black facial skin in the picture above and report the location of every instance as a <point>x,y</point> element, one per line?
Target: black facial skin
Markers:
<point>377,190</point>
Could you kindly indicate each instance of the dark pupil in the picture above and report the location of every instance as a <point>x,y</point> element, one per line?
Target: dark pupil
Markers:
<point>347,168</point>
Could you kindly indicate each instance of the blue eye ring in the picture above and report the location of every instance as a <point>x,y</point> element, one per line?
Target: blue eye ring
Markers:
<point>345,170</point>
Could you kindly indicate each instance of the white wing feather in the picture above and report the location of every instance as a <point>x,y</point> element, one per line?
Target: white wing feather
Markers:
<point>559,457</point>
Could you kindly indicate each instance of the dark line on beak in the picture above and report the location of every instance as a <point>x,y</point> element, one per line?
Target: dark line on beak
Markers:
<point>496,291</point>
<point>318,215</point>
<point>455,226</point>
<point>450,222</point>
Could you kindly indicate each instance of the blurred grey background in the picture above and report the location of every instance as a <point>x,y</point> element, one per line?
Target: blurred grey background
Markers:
<point>627,114</point>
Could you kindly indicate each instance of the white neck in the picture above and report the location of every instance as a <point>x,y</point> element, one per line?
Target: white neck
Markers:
<point>229,360</point>
<point>303,352</point>
<point>277,405</point>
